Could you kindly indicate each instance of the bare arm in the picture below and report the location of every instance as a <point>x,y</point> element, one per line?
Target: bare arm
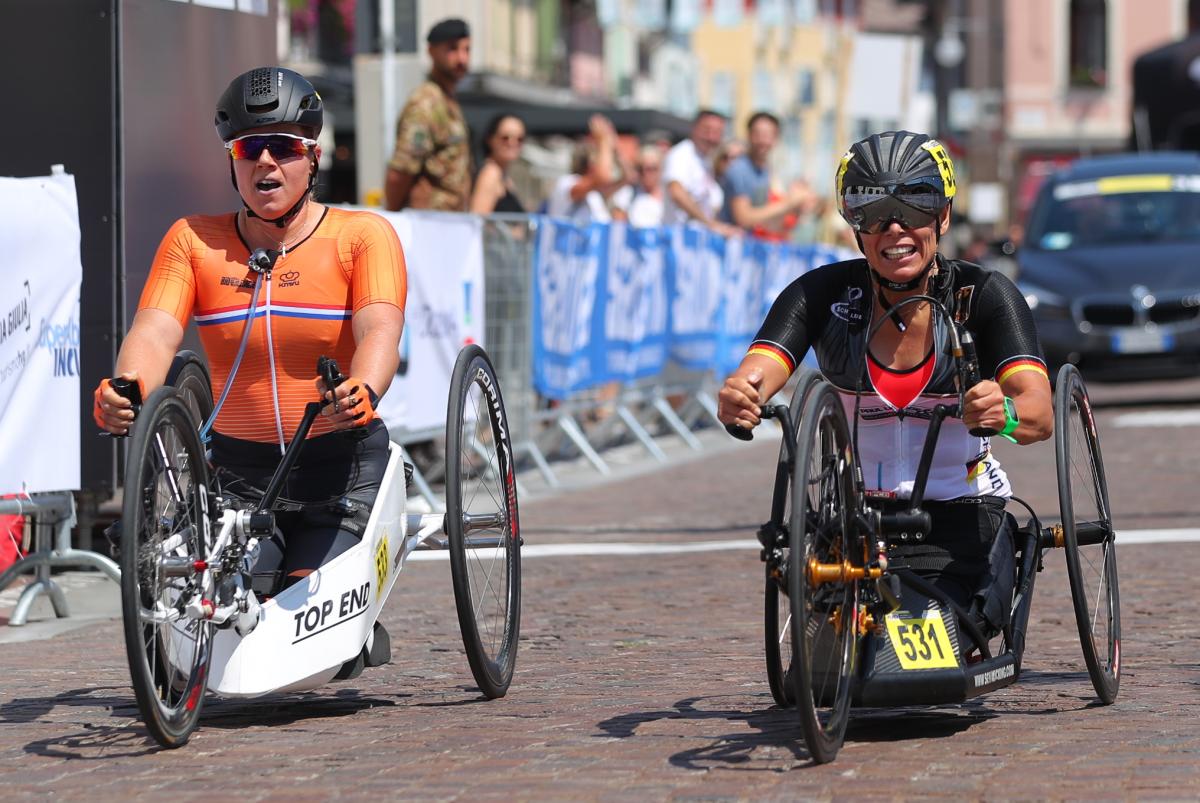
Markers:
<point>755,381</point>
<point>749,216</point>
<point>1030,392</point>
<point>377,329</point>
<point>397,189</point>
<point>489,189</point>
<point>681,198</point>
<point>146,355</point>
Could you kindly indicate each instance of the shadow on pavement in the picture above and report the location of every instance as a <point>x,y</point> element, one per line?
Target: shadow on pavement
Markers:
<point>112,741</point>
<point>778,728</point>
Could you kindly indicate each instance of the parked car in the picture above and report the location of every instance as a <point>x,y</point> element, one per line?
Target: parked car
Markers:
<point>1111,265</point>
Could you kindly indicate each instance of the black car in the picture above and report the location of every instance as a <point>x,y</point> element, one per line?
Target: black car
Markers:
<point>1111,265</point>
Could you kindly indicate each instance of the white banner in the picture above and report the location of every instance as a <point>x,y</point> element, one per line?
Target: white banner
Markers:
<point>444,312</point>
<point>39,334</point>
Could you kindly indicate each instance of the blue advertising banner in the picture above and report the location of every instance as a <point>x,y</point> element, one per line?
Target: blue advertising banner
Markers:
<point>634,341</point>
<point>615,303</point>
<point>567,320</point>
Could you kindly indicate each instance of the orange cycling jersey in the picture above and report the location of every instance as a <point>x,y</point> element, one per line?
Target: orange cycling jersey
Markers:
<point>351,260</point>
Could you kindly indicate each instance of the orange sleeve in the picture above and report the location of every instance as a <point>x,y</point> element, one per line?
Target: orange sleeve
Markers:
<point>171,285</point>
<point>378,272</point>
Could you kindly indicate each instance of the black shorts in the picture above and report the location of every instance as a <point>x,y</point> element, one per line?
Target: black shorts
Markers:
<point>325,501</point>
<point>970,555</point>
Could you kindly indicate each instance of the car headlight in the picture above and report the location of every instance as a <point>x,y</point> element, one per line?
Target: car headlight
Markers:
<point>1044,302</point>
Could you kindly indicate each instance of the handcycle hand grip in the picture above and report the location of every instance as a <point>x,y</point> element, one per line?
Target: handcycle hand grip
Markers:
<point>743,434</point>
<point>129,389</point>
<point>327,369</point>
<point>971,378</point>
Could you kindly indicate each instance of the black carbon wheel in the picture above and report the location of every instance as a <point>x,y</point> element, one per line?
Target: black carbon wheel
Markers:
<point>165,531</point>
<point>482,522</point>
<point>777,630</point>
<point>190,377</point>
<point>824,610</point>
<point>1087,533</point>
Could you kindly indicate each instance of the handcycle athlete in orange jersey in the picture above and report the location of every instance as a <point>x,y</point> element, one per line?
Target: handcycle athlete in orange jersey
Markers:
<point>325,282</point>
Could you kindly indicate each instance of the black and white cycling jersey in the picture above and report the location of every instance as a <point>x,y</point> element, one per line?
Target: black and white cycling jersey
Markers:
<point>829,310</point>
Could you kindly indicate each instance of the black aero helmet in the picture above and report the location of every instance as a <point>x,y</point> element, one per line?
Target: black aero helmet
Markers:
<point>266,96</point>
<point>914,169</point>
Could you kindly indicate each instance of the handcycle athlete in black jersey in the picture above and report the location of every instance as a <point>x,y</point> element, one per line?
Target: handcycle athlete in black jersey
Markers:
<point>896,190</point>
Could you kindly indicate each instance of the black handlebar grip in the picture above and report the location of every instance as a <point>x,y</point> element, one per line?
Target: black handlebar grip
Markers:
<point>327,369</point>
<point>741,433</point>
<point>128,388</point>
<point>971,378</point>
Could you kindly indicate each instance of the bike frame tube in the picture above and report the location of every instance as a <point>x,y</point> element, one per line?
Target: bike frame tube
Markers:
<point>289,456</point>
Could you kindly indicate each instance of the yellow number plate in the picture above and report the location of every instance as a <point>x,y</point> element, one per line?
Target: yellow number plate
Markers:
<point>920,643</point>
<point>381,565</point>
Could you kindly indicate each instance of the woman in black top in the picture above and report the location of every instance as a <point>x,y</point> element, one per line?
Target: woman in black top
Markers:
<point>502,142</point>
<point>895,190</point>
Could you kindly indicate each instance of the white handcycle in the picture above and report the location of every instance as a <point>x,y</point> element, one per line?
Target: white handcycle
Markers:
<point>192,622</point>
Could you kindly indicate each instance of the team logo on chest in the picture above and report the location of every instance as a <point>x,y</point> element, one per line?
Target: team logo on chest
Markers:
<point>849,310</point>
<point>289,279</point>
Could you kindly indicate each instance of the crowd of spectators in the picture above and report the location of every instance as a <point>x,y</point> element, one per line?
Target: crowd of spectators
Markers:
<point>725,184</point>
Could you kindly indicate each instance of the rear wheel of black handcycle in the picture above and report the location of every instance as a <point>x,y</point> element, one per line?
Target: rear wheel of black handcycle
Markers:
<point>165,531</point>
<point>777,630</point>
<point>188,375</point>
<point>824,603</point>
<point>1087,533</point>
<point>482,522</point>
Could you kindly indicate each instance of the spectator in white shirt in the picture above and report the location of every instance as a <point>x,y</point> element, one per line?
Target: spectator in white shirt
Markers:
<point>692,191</point>
<point>582,196</point>
<point>643,202</point>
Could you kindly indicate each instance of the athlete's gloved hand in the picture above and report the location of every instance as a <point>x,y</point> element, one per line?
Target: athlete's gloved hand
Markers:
<point>352,403</point>
<point>111,411</point>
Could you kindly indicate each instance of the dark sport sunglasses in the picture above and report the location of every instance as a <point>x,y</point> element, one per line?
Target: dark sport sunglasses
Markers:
<point>870,210</point>
<point>280,146</point>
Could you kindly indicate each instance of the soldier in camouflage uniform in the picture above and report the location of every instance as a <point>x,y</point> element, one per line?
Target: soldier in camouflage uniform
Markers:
<point>431,165</point>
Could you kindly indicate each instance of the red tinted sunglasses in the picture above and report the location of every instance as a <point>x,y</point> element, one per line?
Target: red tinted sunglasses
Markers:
<point>280,146</point>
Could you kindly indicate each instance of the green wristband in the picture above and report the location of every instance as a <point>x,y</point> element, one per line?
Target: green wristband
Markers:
<point>1011,421</point>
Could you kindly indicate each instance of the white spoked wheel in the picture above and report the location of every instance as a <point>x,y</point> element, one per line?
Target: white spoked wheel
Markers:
<point>482,524</point>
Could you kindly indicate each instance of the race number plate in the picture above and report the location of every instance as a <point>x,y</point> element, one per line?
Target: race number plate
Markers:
<point>920,643</point>
<point>1141,341</point>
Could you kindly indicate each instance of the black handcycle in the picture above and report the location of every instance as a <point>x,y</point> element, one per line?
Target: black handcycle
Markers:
<point>847,624</point>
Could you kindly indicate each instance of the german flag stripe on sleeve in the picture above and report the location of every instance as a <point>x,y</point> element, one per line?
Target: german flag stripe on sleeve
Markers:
<point>775,353</point>
<point>1017,366</point>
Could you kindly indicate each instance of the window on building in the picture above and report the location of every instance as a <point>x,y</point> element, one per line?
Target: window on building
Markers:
<point>1088,65</point>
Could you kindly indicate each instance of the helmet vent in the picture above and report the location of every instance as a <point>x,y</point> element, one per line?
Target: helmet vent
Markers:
<point>259,84</point>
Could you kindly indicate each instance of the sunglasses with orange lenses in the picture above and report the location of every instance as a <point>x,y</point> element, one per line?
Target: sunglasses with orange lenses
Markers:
<point>280,146</point>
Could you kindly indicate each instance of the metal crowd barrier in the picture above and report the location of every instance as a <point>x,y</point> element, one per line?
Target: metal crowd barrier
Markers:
<point>589,421</point>
<point>52,516</point>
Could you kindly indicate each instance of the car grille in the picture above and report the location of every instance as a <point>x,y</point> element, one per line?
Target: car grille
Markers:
<point>1173,312</point>
<point>1114,313</point>
<point>1108,314</point>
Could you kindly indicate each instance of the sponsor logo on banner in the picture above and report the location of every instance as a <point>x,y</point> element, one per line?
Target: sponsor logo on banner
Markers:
<point>62,341</point>
<point>17,319</point>
<point>635,307</point>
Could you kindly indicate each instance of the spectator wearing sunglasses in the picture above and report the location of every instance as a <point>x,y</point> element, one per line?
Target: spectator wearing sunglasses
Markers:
<point>642,202</point>
<point>494,191</point>
<point>896,190</point>
<point>430,166</point>
<point>333,283</point>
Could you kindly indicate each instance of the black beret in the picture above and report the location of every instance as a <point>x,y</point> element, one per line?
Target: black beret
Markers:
<point>450,30</point>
